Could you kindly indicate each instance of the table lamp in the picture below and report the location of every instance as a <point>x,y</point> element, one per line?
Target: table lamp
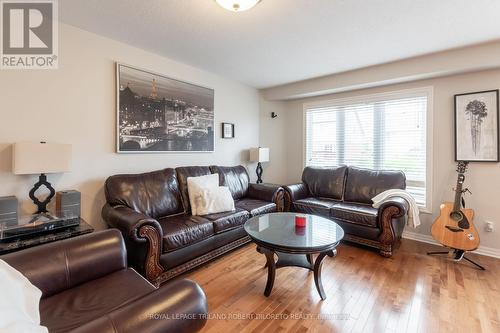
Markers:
<point>30,158</point>
<point>259,155</point>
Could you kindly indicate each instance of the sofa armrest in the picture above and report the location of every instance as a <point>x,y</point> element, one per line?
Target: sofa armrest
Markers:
<point>265,192</point>
<point>392,216</point>
<point>398,202</point>
<point>143,236</point>
<point>58,266</point>
<point>293,193</point>
<point>297,191</point>
<point>180,306</point>
<point>129,221</point>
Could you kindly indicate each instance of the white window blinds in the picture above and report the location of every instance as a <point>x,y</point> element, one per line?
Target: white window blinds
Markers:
<point>382,134</point>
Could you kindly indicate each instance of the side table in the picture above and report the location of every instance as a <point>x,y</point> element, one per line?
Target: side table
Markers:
<point>17,244</point>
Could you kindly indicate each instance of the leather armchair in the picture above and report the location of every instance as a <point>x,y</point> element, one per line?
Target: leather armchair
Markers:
<point>344,195</point>
<point>87,287</point>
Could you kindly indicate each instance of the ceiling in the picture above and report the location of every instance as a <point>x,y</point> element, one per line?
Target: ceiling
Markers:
<point>282,41</point>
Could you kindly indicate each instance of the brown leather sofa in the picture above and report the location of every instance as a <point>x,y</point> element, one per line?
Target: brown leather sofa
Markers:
<point>163,239</point>
<point>344,194</point>
<point>87,287</point>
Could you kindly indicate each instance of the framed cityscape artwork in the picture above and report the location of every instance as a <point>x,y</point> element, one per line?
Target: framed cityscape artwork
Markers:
<point>156,113</point>
<point>476,126</point>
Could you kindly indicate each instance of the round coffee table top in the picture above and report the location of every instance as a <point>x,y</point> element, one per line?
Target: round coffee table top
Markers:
<point>278,231</point>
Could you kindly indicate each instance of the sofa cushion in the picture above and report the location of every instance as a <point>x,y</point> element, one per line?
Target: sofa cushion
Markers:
<point>236,178</point>
<point>196,186</point>
<point>358,230</point>
<point>183,230</point>
<point>325,182</point>
<point>74,307</point>
<point>256,207</point>
<point>363,184</point>
<point>228,220</point>
<point>182,175</point>
<point>355,213</point>
<point>314,206</point>
<point>155,194</point>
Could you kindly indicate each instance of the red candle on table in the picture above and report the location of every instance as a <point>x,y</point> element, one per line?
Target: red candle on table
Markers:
<point>300,221</point>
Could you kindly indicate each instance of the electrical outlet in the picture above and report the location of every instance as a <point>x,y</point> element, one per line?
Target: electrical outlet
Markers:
<point>488,226</point>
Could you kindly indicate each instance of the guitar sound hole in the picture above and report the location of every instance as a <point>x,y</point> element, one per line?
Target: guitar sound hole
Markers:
<point>456,216</point>
<point>461,219</point>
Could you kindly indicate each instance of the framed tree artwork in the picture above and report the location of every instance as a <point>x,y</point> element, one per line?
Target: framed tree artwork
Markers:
<point>476,127</point>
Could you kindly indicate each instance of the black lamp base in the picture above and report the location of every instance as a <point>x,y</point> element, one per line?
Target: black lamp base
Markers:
<point>42,205</point>
<point>259,173</point>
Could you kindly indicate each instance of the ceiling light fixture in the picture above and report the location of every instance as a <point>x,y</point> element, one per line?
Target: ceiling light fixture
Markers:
<point>237,5</point>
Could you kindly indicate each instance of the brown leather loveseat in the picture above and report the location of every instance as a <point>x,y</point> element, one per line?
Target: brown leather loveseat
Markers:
<point>87,287</point>
<point>163,239</point>
<point>345,194</point>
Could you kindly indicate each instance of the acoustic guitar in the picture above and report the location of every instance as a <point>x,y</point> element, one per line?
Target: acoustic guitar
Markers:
<point>454,228</point>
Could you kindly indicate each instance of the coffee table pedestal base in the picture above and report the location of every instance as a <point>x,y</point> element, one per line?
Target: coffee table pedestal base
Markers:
<point>296,260</point>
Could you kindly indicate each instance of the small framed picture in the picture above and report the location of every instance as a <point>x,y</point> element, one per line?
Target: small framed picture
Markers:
<point>227,131</point>
<point>476,126</point>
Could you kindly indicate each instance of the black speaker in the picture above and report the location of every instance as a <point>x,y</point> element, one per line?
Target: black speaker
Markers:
<point>8,210</point>
<point>68,203</point>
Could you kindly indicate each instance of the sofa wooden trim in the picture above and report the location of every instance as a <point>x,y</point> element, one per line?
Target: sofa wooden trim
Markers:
<point>155,272</point>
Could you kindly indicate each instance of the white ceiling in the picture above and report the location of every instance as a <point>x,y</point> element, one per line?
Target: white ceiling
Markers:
<point>281,41</point>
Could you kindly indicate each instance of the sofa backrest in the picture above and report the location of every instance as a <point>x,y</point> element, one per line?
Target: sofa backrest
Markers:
<point>62,265</point>
<point>155,194</point>
<point>363,184</point>
<point>182,175</point>
<point>325,182</point>
<point>235,178</point>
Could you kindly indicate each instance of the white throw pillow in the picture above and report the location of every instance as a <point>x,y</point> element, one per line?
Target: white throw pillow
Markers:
<point>19,302</point>
<point>196,185</point>
<point>215,200</point>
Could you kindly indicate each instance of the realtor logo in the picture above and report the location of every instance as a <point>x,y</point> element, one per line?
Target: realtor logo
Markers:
<point>29,34</point>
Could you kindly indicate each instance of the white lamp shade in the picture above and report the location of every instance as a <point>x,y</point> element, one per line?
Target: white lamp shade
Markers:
<point>259,155</point>
<point>30,158</point>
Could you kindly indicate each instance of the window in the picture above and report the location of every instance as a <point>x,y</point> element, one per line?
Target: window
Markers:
<point>386,131</point>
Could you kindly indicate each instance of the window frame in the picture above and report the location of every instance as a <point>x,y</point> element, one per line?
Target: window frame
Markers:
<point>427,91</point>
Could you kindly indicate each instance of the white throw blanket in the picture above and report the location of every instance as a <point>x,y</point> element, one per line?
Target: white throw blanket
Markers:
<point>413,213</point>
<point>19,303</point>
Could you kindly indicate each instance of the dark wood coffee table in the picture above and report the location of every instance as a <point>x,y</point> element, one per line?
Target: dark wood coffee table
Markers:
<point>276,233</point>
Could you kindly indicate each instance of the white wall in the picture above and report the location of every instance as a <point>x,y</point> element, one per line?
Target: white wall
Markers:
<point>76,104</point>
<point>482,178</point>
<point>273,134</point>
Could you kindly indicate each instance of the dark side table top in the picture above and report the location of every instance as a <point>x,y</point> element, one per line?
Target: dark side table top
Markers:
<point>17,244</point>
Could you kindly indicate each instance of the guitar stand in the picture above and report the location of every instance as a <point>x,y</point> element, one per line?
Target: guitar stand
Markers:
<point>457,256</point>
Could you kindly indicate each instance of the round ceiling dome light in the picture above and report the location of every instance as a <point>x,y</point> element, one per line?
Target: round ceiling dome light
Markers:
<point>237,5</point>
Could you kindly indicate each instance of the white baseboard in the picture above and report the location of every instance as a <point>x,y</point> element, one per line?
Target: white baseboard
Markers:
<point>483,250</point>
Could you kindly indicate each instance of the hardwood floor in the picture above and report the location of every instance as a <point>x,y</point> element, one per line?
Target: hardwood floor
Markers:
<point>410,292</point>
